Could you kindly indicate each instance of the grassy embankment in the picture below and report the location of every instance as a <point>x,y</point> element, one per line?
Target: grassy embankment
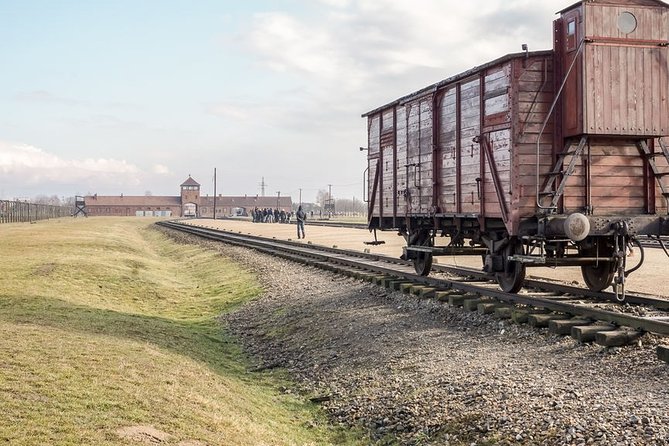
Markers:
<point>108,330</point>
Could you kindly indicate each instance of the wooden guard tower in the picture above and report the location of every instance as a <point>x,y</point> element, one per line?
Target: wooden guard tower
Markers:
<point>79,207</point>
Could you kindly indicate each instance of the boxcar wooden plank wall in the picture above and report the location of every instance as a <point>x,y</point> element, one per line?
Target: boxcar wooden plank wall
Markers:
<point>449,148</point>
<point>402,185</point>
<point>663,166</point>
<point>497,120</point>
<point>374,148</point>
<point>387,158</point>
<point>470,152</point>
<point>616,177</point>
<point>625,71</point>
<point>627,101</point>
<point>515,94</point>
<point>425,156</point>
<point>535,86</point>
<point>413,146</point>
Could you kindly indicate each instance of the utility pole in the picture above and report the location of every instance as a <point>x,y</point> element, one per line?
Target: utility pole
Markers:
<point>262,187</point>
<point>278,198</point>
<point>330,199</point>
<point>300,196</point>
<point>214,193</point>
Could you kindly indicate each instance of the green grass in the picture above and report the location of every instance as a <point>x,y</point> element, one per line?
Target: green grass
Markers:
<point>106,324</point>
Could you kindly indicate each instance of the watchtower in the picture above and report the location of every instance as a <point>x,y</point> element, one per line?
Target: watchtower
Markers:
<point>190,197</point>
<point>79,206</point>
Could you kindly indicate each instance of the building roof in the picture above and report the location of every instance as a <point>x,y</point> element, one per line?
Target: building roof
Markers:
<point>125,200</point>
<point>248,202</point>
<point>190,182</point>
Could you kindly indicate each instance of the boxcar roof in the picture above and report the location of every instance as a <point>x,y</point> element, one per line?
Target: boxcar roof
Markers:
<point>457,77</point>
<point>615,2</point>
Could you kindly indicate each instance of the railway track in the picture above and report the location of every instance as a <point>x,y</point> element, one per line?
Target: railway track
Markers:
<point>585,315</point>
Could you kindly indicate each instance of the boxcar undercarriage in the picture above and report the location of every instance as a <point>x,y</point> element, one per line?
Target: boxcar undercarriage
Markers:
<point>600,246</point>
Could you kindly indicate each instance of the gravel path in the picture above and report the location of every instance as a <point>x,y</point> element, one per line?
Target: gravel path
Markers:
<point>414,371</point>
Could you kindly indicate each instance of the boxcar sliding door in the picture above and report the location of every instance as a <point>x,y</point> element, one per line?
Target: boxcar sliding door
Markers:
<point>373,173</point>
<point>419,155</point>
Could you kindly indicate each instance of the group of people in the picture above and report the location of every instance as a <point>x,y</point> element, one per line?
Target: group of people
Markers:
<point>269,215</point>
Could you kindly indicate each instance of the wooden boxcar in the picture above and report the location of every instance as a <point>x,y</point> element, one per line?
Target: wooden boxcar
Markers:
<point>536,158</point>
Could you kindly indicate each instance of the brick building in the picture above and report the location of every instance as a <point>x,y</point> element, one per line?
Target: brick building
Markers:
<point>189,204</point>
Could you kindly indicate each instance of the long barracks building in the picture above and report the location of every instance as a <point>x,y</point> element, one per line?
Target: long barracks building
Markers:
<point>188,204</point>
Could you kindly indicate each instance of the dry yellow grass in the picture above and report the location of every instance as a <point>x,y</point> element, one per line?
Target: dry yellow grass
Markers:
<point>108,336</point>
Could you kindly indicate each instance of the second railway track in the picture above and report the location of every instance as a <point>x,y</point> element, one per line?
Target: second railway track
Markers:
<point>585,315</point>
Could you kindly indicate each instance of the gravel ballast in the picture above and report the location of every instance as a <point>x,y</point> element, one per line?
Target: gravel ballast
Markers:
<point>415,371</point>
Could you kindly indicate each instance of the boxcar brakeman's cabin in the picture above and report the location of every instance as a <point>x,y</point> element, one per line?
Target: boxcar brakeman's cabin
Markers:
<point>551,158</point>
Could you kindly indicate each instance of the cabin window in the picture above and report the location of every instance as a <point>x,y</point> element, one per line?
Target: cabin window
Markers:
<point>571,34</point>
<point>627,23</point>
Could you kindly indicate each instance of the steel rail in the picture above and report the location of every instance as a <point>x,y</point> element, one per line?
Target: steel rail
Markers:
<point>403,271</point>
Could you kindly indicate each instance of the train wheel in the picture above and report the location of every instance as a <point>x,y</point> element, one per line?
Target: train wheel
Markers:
<point>423,263</point>
<point>511,280</point>
<point>598,277</point>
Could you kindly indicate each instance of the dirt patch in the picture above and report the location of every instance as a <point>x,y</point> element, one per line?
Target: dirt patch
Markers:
<point>45,270</point>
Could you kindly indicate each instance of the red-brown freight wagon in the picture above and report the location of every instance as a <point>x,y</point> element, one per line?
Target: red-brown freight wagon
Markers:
<point>546,158</point>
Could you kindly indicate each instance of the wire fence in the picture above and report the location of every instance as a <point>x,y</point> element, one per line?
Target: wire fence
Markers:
<point>23,212</point>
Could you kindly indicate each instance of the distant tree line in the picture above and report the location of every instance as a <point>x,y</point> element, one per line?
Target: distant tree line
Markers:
<point>53,200</point>
<point>341,206</point>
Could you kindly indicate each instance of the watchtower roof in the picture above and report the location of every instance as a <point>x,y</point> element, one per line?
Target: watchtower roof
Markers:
<point>190,182</point>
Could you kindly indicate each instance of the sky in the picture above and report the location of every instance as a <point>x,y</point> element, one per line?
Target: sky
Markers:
<point>128,96</point>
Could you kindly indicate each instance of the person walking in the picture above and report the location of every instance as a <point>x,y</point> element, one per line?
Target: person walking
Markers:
<point>300,216</point>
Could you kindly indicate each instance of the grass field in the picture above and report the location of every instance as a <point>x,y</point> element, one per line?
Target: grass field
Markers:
<point>108,335</point>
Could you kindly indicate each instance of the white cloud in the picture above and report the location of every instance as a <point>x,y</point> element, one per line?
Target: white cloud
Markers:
<point>351,46</point>
<point>23,164</point>
<point>287,43</point>
<point>348,57</point>
<point>161,169</point>
<point>227,110</point>
<point>337,3</point>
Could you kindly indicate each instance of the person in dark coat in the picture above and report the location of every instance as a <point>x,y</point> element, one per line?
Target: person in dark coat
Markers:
<point>300,216</point>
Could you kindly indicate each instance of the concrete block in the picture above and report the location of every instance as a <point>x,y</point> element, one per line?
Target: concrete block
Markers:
<point>416,289</point>
<point>471,304</point>
<point>617,338</point>
<point>379,280</point>
<point>503,312</point>
<point>388,282</point>
<point>542,320</point>
<point>487,307</point>
<point>441,296</point>
<point>427,292</point>
<point>563,326</point>
<point>457,300</point>
<point>588,333</point>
